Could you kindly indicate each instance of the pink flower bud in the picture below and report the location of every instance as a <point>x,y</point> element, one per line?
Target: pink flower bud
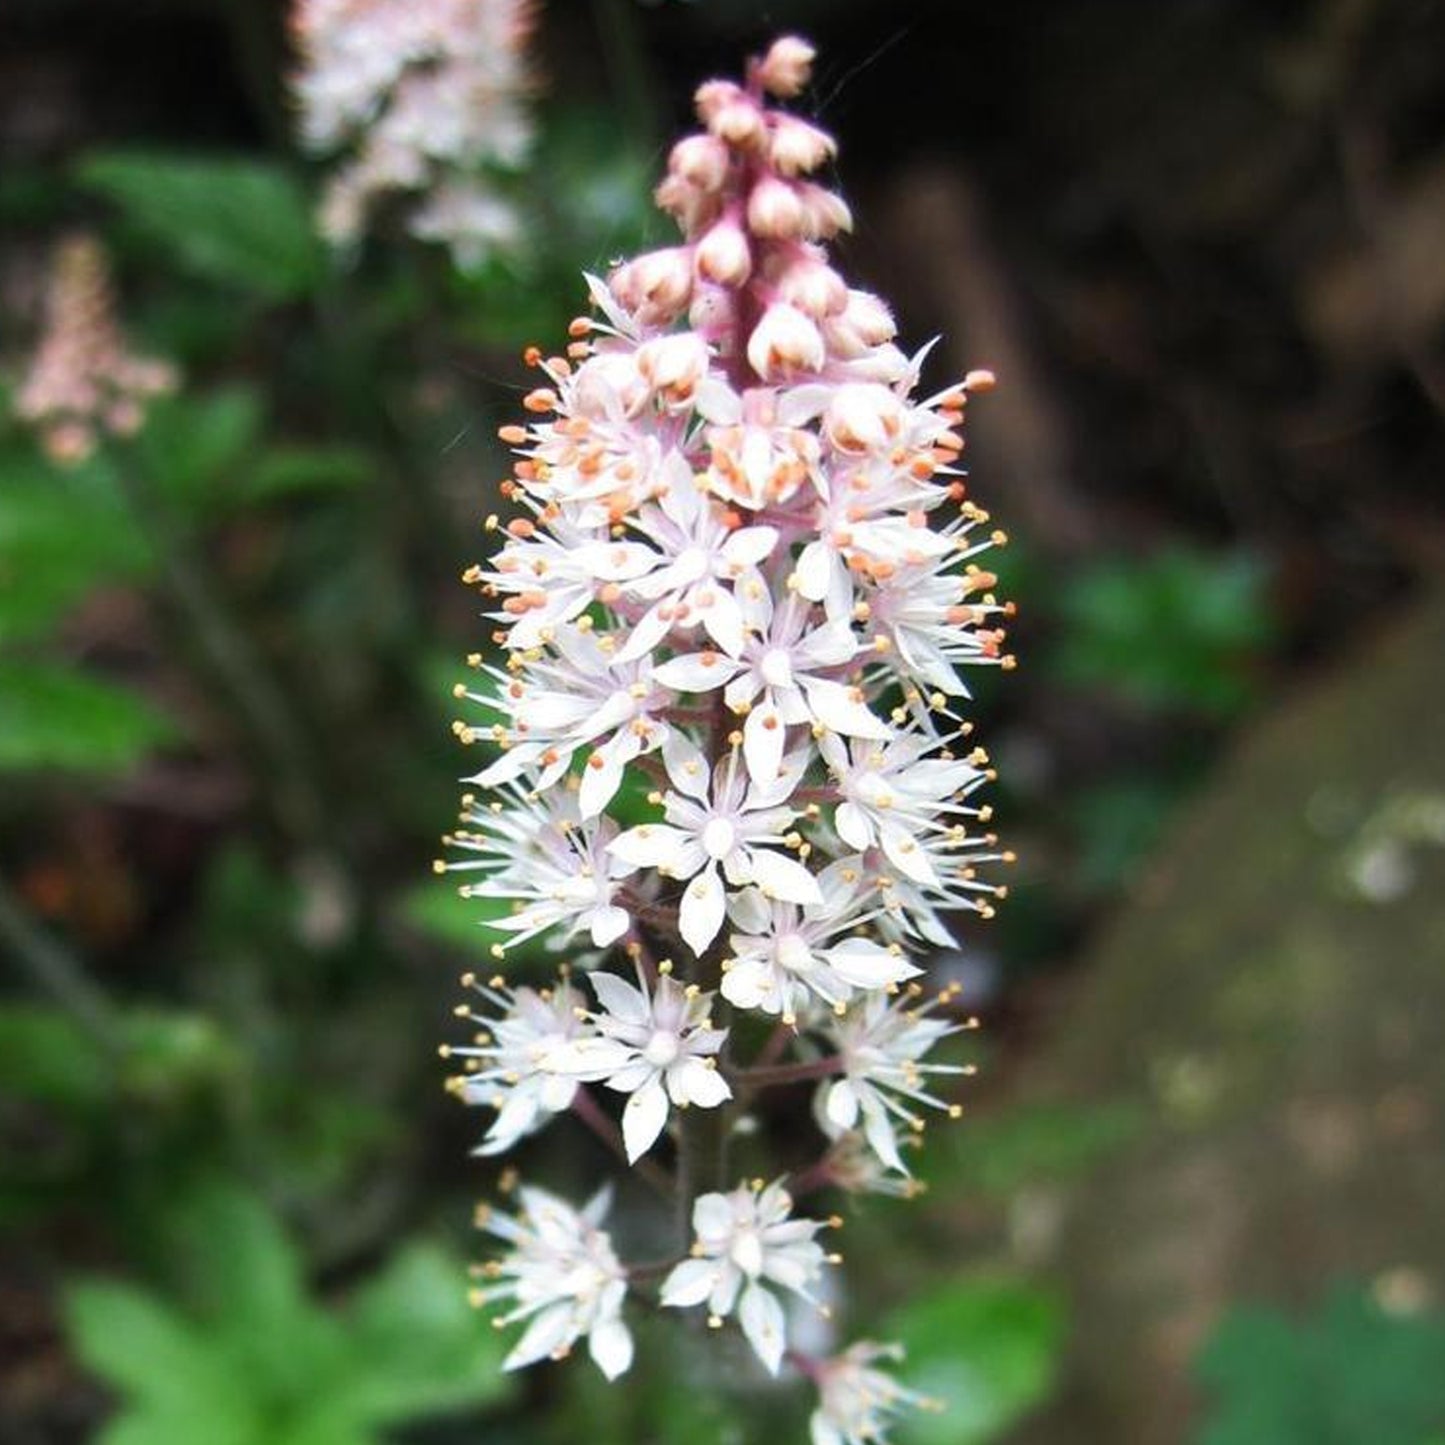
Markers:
<point>813,287</point>
<point>673,365</point>
<point>787,67</point>
<point>797,148</point>
<point>869,318</point>
<point>784,341</point>
<point>863,417</point>
<point>701,160</point>
<point>775,210</point>
<point>723,254</point>
<point>658,282</point>
<point>740,123</point>
<point>824,214</point>
<point>713,95</point>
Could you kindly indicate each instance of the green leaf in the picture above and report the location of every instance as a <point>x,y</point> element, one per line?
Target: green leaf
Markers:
<point>1348,1373</point>
<point>418,1346</point>
<point>61,536</point>
<point>143,1347</point>
<point>54,717</point>
<point>215,1422</point>
<point>246,1277</point>
<point>238,222</point>
<point>986,1347</point>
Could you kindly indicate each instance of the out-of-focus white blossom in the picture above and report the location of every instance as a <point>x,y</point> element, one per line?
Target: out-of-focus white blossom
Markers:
<point>427,100</point>
<point>746,1241</point>
<point>562,1277</point>
<point>857,1401</point>
<point>83,379</point>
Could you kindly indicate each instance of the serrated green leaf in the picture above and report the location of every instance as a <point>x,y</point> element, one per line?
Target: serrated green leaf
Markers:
<point>55,717</point>
<point>986,1347</point>
<point>141,1345</point>
<point>238,222</point>
<point>419,1347</point>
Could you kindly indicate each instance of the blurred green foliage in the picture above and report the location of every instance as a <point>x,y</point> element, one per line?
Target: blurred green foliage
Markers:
<point>986,1348</point>
<point>1178,629</point>
<point>1345,1374</point>
<point>253,1359</point>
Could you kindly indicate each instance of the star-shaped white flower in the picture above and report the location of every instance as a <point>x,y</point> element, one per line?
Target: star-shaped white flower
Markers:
<point>562,1276</point>
<point>745,1241</point>
<point>658,1046</point>
<point>718,826</point>
<point>882,1045</point>
<point>777,678</point>
<point>857,1401</point>
<point>783,954</point>
<point>506,1065</point>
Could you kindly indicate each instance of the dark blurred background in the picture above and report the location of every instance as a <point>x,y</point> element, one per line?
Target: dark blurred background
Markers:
<point>1196,1195</point>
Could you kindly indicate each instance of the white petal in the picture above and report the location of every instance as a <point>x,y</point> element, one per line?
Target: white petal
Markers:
<point>649,845</point>
<point>841,1105</point>
<point>902,850</point>
<point>608,925</point>
<point>698,1084</point>
<point>701,914</point>
<point>687,769</point>
<point>878,1130</point>
<point>649,630</point>
<point>610,1345</point>
<point>763,735</point>
<point>750,911</point>
<point>749,545</point>
<point>689,1283</point>
<point>812,571</point>
<point>724,621</point>
<point>853,826</point>
<point>866,964</point>
<point>619,998</point>
<point>835,706</point>
<point>782,877</point>
<point>548,1332</point>
<point>695,671</point>
<point>712,1217</point>
<point>749,984</point>
<point>643,1118</point>
<point>761,1317</point>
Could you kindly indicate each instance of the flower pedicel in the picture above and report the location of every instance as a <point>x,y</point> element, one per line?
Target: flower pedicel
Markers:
<point>731,605</point>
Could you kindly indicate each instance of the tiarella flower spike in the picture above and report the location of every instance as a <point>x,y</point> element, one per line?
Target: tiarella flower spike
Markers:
<point>84,381</point>
<point>731,608</point>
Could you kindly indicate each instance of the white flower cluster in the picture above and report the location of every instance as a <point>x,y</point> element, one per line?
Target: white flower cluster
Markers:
<point>731,612</point>
<point>429,97</point>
